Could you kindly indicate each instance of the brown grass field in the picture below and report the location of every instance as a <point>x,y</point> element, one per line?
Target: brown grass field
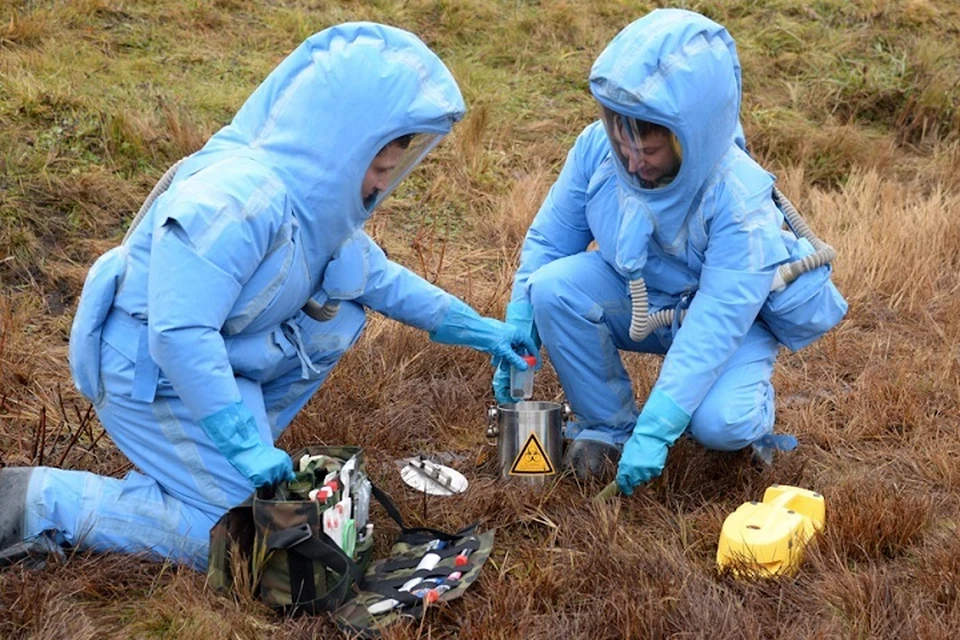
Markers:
<point>854,105</point>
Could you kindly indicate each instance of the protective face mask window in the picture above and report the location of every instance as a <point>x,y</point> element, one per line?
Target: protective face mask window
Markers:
<point>392,164</point>
<point>649,153</point>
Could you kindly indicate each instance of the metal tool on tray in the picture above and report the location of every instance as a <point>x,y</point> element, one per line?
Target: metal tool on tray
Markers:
<point>432,477</point>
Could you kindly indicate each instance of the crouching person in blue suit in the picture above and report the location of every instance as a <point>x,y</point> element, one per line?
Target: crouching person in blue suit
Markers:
<point>689,241</point>
<point>200,337</point>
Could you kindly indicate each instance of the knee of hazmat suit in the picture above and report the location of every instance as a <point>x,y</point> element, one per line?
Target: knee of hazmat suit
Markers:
<point>662,183</point>
<point>242,237</point>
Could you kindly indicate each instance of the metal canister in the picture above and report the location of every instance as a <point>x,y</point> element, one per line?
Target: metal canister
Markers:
<point>529,439</point>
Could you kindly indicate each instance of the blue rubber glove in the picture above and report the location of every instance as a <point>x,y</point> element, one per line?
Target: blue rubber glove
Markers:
<point>520,315</point>
<point>233,430</point>
<point>464,326</point>
<point>659,425</point>
<point>501,385</point>
<point>765,446</point>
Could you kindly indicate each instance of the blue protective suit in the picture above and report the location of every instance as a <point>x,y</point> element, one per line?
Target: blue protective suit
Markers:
<point>199,311</point>
<point>709,241</point>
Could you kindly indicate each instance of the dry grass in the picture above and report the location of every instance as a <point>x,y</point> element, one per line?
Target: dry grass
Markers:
<point>852,104</point>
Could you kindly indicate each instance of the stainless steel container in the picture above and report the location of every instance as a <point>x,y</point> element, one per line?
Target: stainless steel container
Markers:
<point>529,439</point>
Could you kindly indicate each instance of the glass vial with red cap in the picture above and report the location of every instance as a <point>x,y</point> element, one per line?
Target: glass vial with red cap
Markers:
<point>521,382</point>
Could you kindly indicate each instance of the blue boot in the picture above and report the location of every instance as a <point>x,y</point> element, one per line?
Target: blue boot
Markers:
<point>765,446</point>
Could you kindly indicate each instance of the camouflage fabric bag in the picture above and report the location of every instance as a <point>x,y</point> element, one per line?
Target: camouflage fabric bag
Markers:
<point>275,540</point>
<point>461,559</point>
<point>274,544</point>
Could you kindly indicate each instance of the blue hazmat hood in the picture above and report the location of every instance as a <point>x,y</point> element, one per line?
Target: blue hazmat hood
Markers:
<point>678,69</point>
<point>322,114</point>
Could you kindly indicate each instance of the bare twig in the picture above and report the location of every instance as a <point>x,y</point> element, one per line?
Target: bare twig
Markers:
<point>70,444</point>
<point>40,439</point>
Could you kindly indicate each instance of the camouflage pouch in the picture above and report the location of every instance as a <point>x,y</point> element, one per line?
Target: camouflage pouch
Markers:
<point>275,540</point>
<point>274,544</point>
<point>303,568</point>
<point>396,587</point>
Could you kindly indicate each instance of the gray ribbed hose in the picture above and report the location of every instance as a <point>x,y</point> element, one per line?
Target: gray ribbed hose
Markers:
<point>823,253</point>
<point>320,313</point>
<point>642,324</point>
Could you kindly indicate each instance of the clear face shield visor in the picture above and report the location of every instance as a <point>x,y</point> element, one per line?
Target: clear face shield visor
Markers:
<point>393,163</point>
<point>648,152</point>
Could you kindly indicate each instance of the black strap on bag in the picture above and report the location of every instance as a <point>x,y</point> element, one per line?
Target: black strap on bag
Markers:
<point>304,548</point>
<point>394,513</point>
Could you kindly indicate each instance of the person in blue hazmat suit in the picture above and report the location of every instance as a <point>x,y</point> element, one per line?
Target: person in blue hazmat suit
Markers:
<point>200,337</point>
<point>684,223</point>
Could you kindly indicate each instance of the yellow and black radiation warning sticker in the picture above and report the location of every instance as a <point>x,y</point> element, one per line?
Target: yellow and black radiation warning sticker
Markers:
<point>532,460</point>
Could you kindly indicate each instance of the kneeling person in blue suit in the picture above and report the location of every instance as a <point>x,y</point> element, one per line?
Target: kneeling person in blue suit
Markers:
<point>685,222</point>
<point>200,337</point>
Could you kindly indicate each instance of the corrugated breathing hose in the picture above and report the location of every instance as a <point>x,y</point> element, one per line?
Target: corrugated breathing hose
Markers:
<point>642,324</point>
